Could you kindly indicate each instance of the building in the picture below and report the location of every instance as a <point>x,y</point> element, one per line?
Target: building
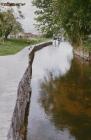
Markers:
<point>22,35</point>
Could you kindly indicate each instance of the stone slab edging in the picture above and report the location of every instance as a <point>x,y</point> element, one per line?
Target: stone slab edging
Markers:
<point>82,54</point>
<point>20,115</point>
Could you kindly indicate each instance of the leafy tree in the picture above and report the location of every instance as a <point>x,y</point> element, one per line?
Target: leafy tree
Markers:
<point>8,24</point>
<point>76,19</point>
<point>73,16</point>
<point>45,17</point>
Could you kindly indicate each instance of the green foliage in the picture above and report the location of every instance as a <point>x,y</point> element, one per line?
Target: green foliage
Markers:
<point>8,24</point>
<point>71,16</point>
<point>12,46</point>
<point>76,19</point>
<point>87,45</point>
<point>45,20</point>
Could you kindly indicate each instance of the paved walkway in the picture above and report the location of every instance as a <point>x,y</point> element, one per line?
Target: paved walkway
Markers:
<point>11,71</point>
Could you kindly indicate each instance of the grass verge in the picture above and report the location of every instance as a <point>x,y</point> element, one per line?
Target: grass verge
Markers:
<point>12,46</point>
<point>87,45</point>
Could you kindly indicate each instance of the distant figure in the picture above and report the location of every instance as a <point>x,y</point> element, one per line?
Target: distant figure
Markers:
<point>55,41</point>
<point>59,40</point>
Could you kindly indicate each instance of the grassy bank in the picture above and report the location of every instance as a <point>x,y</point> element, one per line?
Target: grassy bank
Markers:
<point>87,45</point>
<point>12,46</point>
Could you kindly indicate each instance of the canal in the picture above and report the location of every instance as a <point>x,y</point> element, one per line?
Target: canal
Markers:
<point>60,107</point>
<point>61,96</point>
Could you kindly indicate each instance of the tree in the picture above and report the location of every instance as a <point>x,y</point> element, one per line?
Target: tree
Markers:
<point>8,24</point>
<point>76,19</point>
<point>45,14</point>
<point>73,16</point>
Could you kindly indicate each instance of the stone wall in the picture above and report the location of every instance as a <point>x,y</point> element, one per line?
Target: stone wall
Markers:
<point>20,116</point>
<point>85,55</point>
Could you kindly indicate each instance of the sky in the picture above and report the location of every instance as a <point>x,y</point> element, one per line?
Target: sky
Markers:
<point>28,12</point>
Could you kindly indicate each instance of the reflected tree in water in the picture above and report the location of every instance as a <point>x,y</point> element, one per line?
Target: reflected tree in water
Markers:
<point>67,100</point>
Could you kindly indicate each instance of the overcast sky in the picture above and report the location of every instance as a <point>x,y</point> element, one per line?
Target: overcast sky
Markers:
<point>28,12</point>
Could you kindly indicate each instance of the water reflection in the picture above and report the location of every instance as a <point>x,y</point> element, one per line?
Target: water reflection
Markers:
<point>67,100</point>
<point>54,60</point>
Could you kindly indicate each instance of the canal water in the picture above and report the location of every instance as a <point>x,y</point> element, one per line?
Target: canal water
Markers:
<point>61,96</point>
<point>60,106</point>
